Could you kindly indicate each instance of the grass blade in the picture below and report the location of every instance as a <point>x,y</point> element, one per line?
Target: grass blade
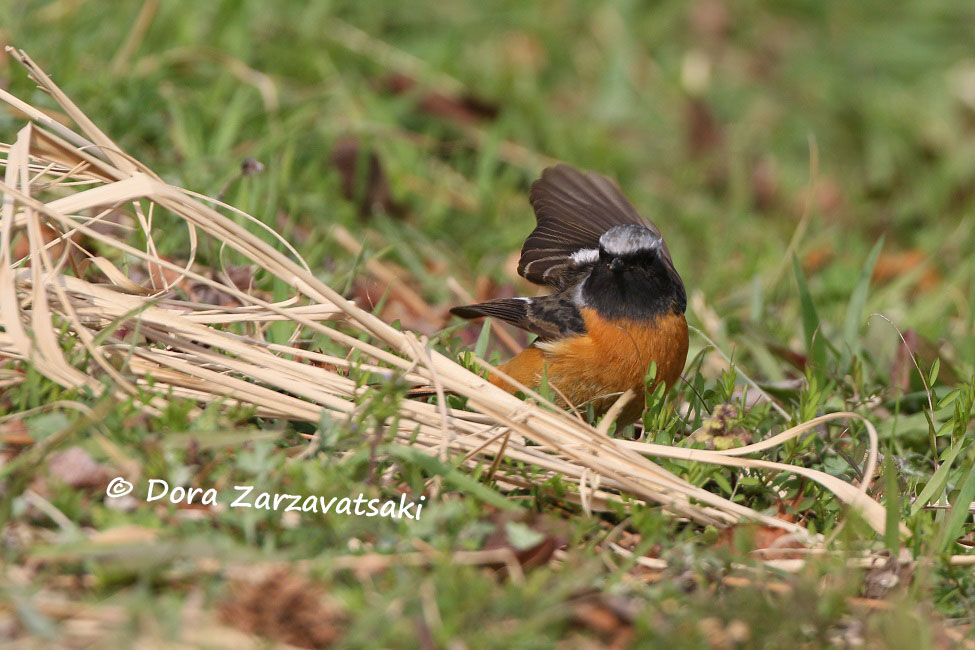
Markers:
<point>815,347</point>
<point>480,347</point>
<point>893,505</point>
<point>961,510</point>
<point>858,299</point>
<point>938,481</point>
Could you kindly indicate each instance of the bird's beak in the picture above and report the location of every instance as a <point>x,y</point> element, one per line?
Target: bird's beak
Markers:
<point>616,265</point>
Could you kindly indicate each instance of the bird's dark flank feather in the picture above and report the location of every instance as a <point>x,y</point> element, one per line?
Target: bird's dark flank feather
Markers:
<point>618,301</point>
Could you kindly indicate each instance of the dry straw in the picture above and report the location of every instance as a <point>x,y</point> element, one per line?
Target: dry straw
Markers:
<point>82,321</point>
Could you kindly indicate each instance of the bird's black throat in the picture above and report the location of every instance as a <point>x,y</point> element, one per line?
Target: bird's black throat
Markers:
<point>641,287</point>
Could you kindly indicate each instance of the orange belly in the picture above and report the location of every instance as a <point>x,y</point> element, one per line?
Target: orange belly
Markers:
<point>612,357</point>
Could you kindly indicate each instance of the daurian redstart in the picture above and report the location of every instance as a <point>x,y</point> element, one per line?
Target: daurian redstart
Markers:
<point>618,302</point>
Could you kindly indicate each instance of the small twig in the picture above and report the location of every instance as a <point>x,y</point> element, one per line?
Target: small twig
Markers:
<point>498,456</point>
<point>565,398</point>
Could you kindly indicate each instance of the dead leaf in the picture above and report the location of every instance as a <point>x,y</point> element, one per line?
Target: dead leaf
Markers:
<point>892,265</point>
<point>608,617</point>
<point>364,180</point>
<point>764,180</point>
<point>21,244</point>
<point>904,374</point>
<point>704,134</point>
<point>816,259</point>
<point>159,275</point>
<point>15,432</point>
<point>284,607</point>
<point>76,468</point>
<point>465,109</point>
<point>751,536</point>
<point>903,366</point>
<point>531,537</point>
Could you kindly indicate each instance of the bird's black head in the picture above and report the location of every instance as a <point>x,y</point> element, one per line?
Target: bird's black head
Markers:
<point>632,275</point>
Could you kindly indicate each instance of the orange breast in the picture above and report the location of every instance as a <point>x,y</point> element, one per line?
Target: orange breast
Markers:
<point>612,357</point>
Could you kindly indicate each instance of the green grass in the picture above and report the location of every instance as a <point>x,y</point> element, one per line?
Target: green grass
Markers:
<point>819,131</point>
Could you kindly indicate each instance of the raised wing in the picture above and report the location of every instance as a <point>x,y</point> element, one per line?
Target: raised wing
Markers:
<point>573,210</point>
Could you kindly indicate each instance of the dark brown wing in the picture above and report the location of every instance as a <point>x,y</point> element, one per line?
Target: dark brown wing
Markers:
<point>550,317</point>
<point>510,310</point>
<point>573,210</point>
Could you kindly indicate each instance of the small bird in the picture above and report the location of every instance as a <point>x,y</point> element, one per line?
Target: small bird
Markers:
<point>618,302</point>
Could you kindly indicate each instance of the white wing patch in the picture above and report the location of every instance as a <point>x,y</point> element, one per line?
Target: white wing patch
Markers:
<point>585,256</point>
